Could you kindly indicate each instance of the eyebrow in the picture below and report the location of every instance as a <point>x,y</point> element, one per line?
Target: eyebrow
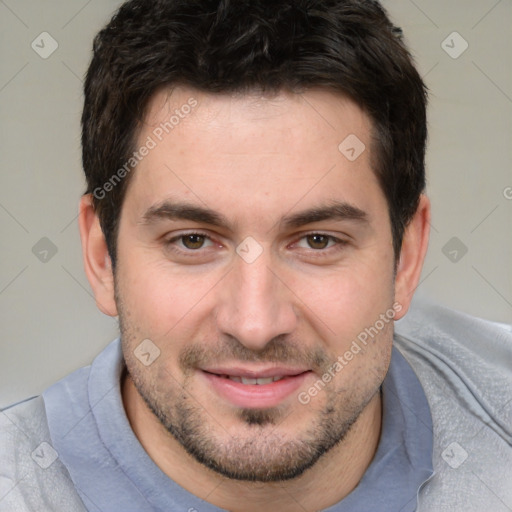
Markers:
<point>170,210</point>
<point>333,211</point>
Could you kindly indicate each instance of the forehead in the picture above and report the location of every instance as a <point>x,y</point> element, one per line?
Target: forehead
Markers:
<point>267,152</point>
<point>312,115</point>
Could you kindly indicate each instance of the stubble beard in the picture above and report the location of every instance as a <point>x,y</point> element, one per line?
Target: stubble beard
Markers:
<point>262,452</point>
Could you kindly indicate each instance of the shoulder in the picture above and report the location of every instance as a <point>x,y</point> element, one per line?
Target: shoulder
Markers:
<point>464,365</point>
<point>472,357</point>
<point>31,474</point>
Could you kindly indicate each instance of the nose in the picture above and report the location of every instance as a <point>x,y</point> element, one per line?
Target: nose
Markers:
<point>255,306</point>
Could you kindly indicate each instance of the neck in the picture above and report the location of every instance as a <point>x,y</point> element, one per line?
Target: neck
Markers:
<point>330,480</point>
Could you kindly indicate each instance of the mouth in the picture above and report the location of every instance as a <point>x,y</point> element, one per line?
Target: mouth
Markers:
<point>255,389</point>
<point>261,381</point>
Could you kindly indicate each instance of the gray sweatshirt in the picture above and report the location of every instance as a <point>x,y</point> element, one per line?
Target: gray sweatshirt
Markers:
<point>464,365</point>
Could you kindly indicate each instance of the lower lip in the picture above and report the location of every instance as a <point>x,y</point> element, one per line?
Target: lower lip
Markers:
<point>255,396</point>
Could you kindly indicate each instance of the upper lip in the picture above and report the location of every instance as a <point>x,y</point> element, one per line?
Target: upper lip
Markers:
<point>251,373</point>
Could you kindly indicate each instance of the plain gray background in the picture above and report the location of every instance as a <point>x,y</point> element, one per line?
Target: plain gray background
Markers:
<point>48,319</point>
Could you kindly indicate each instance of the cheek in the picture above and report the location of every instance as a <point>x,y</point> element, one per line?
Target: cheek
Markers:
<point>159,299</point>
<point>344,302</point>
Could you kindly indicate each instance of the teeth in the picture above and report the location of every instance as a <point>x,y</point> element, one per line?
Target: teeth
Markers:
<point>260,382</point>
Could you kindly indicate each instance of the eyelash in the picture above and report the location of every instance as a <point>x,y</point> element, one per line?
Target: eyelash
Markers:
<point>339,243</point>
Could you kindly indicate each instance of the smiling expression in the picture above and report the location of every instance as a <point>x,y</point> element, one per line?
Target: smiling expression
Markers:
<point>252,252</point>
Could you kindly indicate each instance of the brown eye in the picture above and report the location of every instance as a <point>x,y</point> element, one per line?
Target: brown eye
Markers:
<point>193,241</point>
<point>318,241</point>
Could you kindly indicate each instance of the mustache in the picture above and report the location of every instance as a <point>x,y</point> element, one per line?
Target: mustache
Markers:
<point>278,350</point>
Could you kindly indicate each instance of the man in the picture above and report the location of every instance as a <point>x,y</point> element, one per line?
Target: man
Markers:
<point>255,217</point>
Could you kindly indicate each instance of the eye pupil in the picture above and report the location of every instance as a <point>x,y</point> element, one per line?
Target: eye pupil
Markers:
<point>318,241</point>
<point>193,241</point>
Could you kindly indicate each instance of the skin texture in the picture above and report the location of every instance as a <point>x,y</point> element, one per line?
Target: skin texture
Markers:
<point>293,300</point>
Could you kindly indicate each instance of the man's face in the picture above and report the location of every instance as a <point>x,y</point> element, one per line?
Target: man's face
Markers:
<point>251,247</point>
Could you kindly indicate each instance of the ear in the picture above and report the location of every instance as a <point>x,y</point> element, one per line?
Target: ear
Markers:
<point>97,264</point>
<point>412,255</point>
